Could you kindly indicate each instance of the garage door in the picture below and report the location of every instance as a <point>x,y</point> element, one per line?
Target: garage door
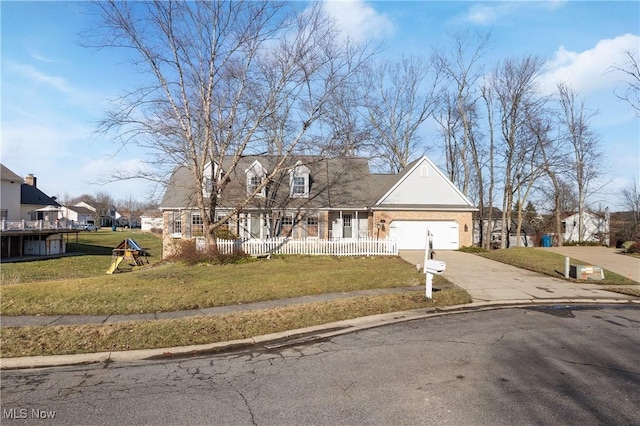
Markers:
<point>412,234</point>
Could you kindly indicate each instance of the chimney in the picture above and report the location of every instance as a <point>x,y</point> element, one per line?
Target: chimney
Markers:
<point>30,180</point>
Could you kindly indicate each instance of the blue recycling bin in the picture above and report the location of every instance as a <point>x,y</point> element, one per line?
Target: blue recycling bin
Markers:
<point>546,240</point>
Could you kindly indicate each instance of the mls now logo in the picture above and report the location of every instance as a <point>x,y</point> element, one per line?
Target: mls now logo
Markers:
<point>23,413</point>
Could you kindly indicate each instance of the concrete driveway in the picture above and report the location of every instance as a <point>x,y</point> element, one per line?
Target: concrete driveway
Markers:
<point>490,281</point>
<point>608,258</point>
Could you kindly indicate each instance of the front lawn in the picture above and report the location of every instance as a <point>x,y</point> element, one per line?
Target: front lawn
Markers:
<point>58,340</point>
<point>174,286</point>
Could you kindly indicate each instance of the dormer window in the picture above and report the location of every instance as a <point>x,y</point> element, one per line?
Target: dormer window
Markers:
<point>256,174</point>
<point>210,172</point>
<point>299,185</point>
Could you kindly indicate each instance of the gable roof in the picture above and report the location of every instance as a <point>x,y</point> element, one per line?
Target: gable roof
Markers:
<point>335,183</point>
<point>420,185</point>
<point>81,210</point>
<point>31,195</point>
<point>7,174</point>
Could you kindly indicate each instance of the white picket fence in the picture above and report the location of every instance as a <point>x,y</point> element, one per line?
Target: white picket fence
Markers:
<point>310,246</point>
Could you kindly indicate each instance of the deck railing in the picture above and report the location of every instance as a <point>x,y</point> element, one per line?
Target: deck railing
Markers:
<point>309,246</point>
<point>36,225</point>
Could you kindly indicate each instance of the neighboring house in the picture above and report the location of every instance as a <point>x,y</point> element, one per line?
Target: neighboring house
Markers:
<point>595,227</point>
<point>151,220</point>
<point>84,213</point>
<point>9,194</point>
<point>336,198</point>
<point>527,235</point>
<point>30,223</point>
<point>79,215</point>
<point>35,204</point>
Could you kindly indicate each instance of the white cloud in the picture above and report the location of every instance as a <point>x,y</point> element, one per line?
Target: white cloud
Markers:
<point>589,70</point>
<point>359,20</point>
<point>499,11</point>
<point>483,15</point>
<point>38,77</point>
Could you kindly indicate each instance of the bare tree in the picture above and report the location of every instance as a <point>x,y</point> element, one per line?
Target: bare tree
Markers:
<point>488,98</point>
<point>463,71</point>
<point>553,163</point>
<point>631,70</point>
<point>400,97</point>
<point>575,127</point>
<point>514,86</point>
<point>631,202</point>
<point>225,79</point>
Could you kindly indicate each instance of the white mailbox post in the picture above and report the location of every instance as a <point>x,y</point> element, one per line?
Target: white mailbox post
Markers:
<point>432,267</point>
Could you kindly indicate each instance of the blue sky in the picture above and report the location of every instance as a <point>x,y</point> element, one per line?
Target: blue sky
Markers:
<point>54,90</point>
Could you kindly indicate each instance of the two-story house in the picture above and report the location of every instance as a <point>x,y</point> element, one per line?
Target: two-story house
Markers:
<point>326,198</point>
<point>30,224</point>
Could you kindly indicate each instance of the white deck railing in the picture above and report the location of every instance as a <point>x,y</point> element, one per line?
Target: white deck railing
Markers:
<point>310,246</point>
<point>35,225</point>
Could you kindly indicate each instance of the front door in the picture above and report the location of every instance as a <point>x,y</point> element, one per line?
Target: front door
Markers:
<point>347,229</point>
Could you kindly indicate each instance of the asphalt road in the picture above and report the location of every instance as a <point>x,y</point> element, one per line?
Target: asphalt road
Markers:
<point>555,365</point>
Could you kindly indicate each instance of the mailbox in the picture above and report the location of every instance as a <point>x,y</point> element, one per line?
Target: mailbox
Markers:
<point>434,266</point>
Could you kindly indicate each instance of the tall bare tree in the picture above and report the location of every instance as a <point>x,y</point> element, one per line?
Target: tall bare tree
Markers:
<point>514,87</point>
<point>400,97</point>
<point>575,126</point>
<point>462,70</point>
<point>631,202</point>
<point>225,79</point>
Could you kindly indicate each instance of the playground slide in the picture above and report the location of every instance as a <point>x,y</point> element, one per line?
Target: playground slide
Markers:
<point>114,264</point>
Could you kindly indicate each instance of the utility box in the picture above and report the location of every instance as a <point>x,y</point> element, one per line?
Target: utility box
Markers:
<point>586,272</point>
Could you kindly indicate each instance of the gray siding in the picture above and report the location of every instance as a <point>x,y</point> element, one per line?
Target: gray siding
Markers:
<point>425,185</point>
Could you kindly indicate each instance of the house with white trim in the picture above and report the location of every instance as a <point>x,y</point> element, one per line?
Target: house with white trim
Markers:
<point>326,198</point>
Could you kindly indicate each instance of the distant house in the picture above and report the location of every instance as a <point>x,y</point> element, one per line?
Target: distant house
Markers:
<point>151,220</point>
<point>595,227</point>
<point>30,224</point>
<point>326,198</point>
<point>494,217</point>
<point>80,215</point>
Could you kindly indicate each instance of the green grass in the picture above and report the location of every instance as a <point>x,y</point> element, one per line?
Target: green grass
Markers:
<point>79,285</point>
<point>89,257</point>
<point>547,263</point>
<point>58,340</point>
<point>173,286</point>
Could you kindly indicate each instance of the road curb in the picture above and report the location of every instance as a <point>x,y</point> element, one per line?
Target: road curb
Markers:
<point>291,337</point>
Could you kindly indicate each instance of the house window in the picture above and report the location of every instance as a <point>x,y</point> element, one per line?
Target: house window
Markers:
<point>4,214</point>
<point>287,220</point>
<point>197,225</point>
<point>298,186</point>
<point>177,222</point>
<point>299,181</point>
<point>253,182</point>
<point>312,221</point>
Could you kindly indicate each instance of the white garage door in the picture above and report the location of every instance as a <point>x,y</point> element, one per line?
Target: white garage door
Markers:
<point>412,234</point>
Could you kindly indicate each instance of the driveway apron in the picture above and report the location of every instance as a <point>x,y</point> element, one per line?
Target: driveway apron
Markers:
<point>490,281</point>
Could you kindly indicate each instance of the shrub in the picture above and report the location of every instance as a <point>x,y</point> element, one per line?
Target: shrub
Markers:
<point>472,249</point>
<point>634,248</point>
<point>627,245</point>
<point>186,252</point>
<point>584,243</point>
